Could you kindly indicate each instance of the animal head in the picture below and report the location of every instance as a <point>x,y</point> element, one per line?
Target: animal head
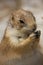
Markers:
<point>23,21</point>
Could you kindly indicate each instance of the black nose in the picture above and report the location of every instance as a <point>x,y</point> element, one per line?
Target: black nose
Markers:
<point>37,33</point>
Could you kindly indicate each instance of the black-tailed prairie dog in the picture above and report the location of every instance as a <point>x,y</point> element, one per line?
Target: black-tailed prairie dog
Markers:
<point>20,36</point>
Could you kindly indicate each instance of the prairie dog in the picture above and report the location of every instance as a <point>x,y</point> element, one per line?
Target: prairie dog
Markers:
<point>20,36</point>
<point>23,23</point>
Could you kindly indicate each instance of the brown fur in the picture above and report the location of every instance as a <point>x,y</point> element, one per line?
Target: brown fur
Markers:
<point>27,44</point>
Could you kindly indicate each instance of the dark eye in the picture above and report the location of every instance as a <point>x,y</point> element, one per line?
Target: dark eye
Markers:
<point>21,21</point>
<point>12,18</point>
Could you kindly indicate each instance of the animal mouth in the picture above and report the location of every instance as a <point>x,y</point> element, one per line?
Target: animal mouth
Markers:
<point>26,34</point>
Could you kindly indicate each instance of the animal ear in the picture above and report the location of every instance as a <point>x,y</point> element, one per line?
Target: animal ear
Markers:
<point>12,19</point>
<point>12,16</point>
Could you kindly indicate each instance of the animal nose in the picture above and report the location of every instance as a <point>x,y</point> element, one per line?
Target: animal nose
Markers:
<point>37,34</point>
<point>34,27</point>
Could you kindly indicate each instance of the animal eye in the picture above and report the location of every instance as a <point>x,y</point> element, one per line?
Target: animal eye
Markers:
<point>12,18</point>
<point>21,21</point>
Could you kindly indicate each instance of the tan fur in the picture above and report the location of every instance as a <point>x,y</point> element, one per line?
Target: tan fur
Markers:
<point>13,46</point>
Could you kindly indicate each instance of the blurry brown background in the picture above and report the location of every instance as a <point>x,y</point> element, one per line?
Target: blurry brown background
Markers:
<point>21,3</point>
